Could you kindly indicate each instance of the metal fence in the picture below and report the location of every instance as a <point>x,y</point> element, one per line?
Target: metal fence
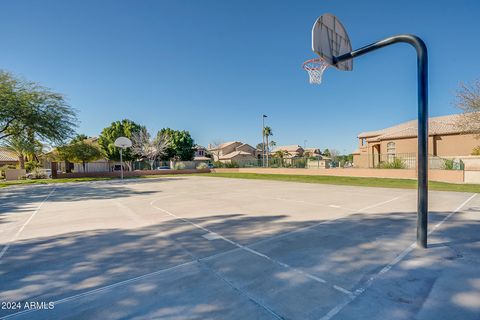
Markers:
<point>277,163</point>
<point>147,165</point>
<point>409,161</point>
<point>378,161</point>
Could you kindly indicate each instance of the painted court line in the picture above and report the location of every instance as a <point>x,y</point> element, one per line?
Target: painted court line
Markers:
<point>245,248</point>
<point>14,238</point>
<point>239,247</point>
<point>102,289</point>
<point>389,266</point>
<point>307,202</point>
<point>325,221</point>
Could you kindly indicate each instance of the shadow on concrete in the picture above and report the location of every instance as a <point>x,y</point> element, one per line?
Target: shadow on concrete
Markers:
<point>348,250</point>
<point>28,198</point>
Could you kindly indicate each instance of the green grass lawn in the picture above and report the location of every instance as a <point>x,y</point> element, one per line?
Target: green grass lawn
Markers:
<point>346,181</point>
<point>351,181</point>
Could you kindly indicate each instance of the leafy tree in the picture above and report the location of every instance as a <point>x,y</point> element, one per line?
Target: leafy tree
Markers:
<point>106,140</point>
<point>326,153</point>
<point>180,144</point>
<point>81,151</point>
<point>28,107</point>
<point>79,137</point>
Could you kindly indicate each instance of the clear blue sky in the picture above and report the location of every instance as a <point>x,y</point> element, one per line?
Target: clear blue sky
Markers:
<point>214,67</point>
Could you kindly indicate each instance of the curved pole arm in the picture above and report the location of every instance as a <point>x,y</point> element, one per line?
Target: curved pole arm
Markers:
<point>422,74</point>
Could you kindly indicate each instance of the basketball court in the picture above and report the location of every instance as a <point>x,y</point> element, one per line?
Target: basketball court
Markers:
<point>192,247</point>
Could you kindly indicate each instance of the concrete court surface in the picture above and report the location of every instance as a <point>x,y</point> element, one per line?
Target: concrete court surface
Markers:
<point>191,247</point>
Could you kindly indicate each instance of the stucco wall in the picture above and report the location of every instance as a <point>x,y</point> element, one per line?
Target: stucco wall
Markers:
<point>441,146</point>
<point>456,145</point>
<point>445,145</point>
<point>128,173</point>
<point>453,176</point>
<point>14,174</point>
<point>360,160</point>
<point>229,148</point>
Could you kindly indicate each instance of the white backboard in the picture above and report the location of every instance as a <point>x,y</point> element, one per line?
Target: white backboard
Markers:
<point>329,39</point>
<point>123,142</point>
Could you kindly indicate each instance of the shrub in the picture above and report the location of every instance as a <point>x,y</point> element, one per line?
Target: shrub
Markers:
<point>31,166</point>
<point>476,151</point>
<point>448,164</point>
<point>202,165</point>
<point>397,163</point>
<point>179,166</point>
<point>218,164</point>
<point>37,174</point>
<point>232,164</point>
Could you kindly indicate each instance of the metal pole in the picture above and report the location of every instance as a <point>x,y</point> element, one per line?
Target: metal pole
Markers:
<point>263,140</point>
<point>121,164</point>
<point>422,78</point>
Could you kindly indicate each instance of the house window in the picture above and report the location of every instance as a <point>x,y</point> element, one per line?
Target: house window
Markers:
<point>200,153</point>
<point>391,151</point>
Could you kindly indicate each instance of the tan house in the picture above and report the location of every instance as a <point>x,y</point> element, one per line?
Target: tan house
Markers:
<point>292,151</point>
<point>234,151</point>
<point>200,153</point>
<point>446,139</point>
<point>313,152</point>
<point>8,157</point>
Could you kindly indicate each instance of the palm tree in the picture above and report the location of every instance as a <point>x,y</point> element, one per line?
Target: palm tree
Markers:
<point>272,144</point>
<point>267,131</point>
<point>281,154</point>
<point>23,147</point>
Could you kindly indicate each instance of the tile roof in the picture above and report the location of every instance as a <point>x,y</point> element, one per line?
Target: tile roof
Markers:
<point>290,148</point>
<point>223,145</point>
<point>7,155</point>
<point>436,126</point>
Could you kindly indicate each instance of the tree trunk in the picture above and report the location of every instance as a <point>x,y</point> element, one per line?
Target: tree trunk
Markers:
<point>21,159</point>
<point>68,168</point>
<point>266,136</point>
<point>83,164</point>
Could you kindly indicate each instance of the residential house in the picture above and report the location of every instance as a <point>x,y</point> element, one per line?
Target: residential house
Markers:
<point>8,157</point>
<point>292,151</point>
<point>446,139</point>
<point>234,151</point>
<point>200,153</point>
<point>313,152</point>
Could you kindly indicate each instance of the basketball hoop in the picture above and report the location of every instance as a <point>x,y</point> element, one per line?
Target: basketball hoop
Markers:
<point>315,68</point>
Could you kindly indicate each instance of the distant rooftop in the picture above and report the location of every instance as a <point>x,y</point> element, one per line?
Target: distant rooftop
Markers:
<point>436,126</point>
